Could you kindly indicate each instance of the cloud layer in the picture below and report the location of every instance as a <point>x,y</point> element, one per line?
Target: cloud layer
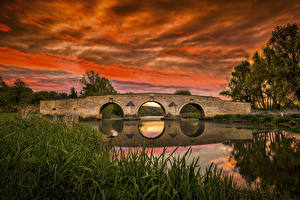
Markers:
<point>142,46</point>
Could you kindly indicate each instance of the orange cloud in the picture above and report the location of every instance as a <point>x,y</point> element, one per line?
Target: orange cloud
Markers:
<point>12,57</point>
<point>114,37</point>
<point>69,37</point>
<point>4,28</point>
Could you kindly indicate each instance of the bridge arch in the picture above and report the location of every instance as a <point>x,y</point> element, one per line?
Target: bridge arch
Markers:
<point>161,105</point>
<point>198,106</point>
<point>103,106</point>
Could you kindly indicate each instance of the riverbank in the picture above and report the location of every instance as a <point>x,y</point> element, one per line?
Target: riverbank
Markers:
<point>274,118</point>
<point>291,121</point>
<point>45,158</point>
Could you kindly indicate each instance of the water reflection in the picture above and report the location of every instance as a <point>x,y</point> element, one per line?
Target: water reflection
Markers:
<point>151,129</point>
<point>271,157</point>
<point>192,127</point>
<point>169,133</point>
<point>111,127</point>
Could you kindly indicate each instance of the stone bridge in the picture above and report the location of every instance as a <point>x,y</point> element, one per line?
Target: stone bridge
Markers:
<point>172,104</point>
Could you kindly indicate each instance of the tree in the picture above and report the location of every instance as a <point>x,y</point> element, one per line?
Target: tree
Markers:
<point>2,83</point>
<point>22,93</point>
<point>41,95</point>
<point>273,80</point>
<point>183,92</point>
<point>237,86</point>
<point>4,93</point>
<point>73,93</point>
<point>96,85</point>
<point>285,42</point>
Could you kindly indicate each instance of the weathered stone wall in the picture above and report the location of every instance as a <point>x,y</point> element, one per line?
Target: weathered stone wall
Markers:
<point>130,104</point>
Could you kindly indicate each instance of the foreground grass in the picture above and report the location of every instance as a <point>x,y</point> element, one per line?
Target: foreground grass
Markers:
<point>45,159</point>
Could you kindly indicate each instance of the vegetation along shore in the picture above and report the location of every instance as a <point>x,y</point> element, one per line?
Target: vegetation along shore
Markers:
<point>44,158</point>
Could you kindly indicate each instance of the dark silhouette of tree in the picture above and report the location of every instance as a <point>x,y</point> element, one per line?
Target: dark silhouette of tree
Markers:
<point>41,95</point>
<point>183,92</point>
<point>96,85</point>
<point>272,81</point>
<point>22,93</point>
<point>73,93</point>
<point>4,93</point>
<point>2,83</point>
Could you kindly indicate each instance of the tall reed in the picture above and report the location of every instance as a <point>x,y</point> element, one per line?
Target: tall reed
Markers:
<point>45,159</point>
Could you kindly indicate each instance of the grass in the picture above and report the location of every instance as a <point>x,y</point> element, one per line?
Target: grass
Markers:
<point>46,159</point>
<point>8,116</point>
<point>190,115</point>
<point>260,118</point>
<point>290,122</point>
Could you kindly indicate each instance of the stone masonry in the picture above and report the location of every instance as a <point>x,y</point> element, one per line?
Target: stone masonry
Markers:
<point>130,103</point>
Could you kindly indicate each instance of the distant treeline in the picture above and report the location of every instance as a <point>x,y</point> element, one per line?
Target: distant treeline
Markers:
<point>19,94</point>
<point>271,79</point>
<point>13,97</point>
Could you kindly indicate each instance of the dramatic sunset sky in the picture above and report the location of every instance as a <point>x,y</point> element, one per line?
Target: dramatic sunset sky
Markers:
<point>140,45</point>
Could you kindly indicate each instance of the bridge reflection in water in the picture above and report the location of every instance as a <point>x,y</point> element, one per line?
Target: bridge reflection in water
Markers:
<point>251,157</point>
<point>184,132</point>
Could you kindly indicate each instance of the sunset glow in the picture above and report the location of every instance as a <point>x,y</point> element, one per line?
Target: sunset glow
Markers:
<point>141,46</point>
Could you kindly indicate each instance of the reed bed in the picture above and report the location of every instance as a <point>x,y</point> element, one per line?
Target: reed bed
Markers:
<point>47,159</point>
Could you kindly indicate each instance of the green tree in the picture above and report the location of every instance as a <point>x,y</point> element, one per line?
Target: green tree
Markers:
<point>96,85</point>
<point>285,42</point>
<point>273,80</point>
<point>238,89</point>
<point>183,92</point>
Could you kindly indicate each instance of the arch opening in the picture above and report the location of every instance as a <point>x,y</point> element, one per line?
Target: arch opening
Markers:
<point>111,111</point>
<point>192,110</point>
<point>151,110</point>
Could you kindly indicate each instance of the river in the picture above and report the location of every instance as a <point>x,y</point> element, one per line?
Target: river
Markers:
<point>249,153</point>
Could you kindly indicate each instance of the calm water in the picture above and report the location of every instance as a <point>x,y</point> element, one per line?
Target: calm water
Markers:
<point>249,155</point>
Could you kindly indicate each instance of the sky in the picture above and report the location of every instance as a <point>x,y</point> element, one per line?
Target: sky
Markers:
<point>140,45</point>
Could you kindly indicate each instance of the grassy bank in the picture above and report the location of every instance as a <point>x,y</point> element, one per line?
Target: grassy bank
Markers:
<point>195,115</point>
<point>278,119</point>
<point>290,122</point>
<point>47,159</point>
